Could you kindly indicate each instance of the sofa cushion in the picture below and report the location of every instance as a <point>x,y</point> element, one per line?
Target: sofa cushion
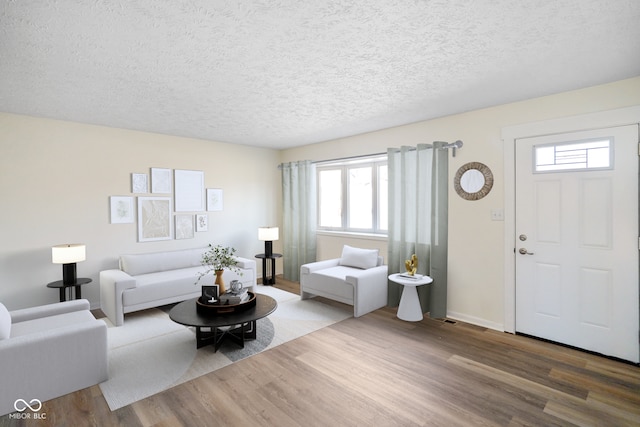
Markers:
<point>332,281</point>
<point>136,264</point>
<point>5,322</point>
<point>160,286</point>
<point>359,258</point>
<point>167,284</point>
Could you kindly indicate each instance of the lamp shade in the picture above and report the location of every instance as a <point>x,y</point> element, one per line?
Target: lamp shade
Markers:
<point>268,234</point>
<point>68,253</point>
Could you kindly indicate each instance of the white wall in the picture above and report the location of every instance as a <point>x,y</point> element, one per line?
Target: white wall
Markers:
<point>56,178</point>
<point>476,244</point>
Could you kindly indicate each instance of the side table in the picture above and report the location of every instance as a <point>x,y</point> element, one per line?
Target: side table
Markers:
<point>266,280</point>
<point>63,287</point>
<point>409,308</point>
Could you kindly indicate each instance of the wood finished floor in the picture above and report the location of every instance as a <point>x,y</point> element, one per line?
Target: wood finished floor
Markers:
<point>380,371</point>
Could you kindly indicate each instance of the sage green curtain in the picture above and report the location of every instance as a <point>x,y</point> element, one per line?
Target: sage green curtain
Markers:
<point>299,216</point>
<point>418,220</point>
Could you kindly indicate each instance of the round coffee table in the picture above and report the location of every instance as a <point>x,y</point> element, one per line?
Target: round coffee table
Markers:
<point>214,329</point>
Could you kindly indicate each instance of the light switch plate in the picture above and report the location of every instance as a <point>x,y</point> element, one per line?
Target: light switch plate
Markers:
<point>497,214</point>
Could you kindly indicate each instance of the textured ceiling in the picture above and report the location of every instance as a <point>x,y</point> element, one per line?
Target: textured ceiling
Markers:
<point>283,73</point>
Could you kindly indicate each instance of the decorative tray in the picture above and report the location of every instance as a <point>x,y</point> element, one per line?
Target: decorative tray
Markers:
<point>217,308</point>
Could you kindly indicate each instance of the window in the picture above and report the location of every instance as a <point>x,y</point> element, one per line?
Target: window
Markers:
<point>576,155</point>
<point>352,195</point>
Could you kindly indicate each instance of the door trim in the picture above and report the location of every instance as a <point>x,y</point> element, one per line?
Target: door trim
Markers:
<point>603,119</point>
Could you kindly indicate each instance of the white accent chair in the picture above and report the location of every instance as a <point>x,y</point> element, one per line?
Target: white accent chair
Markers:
<point>357,278</point>
<point>49,351</point>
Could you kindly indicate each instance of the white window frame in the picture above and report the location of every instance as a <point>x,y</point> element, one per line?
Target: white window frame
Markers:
<point>371,161</point>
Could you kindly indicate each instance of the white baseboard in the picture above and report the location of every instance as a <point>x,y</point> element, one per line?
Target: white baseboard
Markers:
<point>475,321</point>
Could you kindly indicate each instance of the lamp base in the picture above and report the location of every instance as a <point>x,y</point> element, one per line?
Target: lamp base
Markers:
<point>268,248</point>
<point>69,276</point>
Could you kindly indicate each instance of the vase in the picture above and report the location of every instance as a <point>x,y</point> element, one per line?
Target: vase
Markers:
<point>220,282</point>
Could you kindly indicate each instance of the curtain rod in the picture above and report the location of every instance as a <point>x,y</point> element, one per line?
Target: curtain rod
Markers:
<point>454,145</point>
<point>350,158</point>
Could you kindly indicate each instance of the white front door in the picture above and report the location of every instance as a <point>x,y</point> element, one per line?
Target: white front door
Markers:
<point>577,240</point>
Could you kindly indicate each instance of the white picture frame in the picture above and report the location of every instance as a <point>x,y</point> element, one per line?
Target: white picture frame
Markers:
<point>184,226</point>
<point>161,181</point>
<point>139,183</point>
<point>202,222</point>
<point>121,208</point>
<point>189,190</point>
<point>155,220</point>
<point>214,199</point>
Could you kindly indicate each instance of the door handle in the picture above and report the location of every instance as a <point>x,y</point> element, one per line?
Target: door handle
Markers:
<point>524,251</point>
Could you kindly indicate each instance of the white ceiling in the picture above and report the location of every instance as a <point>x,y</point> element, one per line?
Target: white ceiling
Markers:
<point>284,73</point>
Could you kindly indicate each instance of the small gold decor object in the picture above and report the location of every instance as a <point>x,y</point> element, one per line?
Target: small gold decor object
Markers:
<point>411,265</point>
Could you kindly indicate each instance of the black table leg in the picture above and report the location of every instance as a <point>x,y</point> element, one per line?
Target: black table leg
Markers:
<point>273,271</point>
<point>216,336</point>
<point>265,274</point>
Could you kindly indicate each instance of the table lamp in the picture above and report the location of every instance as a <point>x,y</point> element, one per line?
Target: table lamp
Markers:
<point>68,255</point>
<point>268,235</point>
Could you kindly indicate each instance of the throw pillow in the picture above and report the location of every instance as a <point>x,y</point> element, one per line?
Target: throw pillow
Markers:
<point>359,258</point>
<point>5,322</point>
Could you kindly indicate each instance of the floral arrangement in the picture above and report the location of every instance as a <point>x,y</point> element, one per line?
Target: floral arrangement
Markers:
<point>218,258</point>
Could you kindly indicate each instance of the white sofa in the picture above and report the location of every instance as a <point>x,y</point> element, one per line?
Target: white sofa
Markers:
<point>49,351</point>
<point>154,279</point>
<point>357,278</point>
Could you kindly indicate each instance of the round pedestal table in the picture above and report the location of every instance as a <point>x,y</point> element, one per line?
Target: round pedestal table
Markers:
<point>409,308</point>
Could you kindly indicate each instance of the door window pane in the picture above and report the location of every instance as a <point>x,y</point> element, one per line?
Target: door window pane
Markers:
<point>575,155</point>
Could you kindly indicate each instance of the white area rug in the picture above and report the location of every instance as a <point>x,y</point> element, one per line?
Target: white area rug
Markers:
<point>150,353</point>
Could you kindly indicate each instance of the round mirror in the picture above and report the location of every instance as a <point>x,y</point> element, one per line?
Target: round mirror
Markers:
<point>473,181</point>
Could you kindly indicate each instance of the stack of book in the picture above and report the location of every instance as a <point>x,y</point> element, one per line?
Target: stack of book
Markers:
<point>234,298</point>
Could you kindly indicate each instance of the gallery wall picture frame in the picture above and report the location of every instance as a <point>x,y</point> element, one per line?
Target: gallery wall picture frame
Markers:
<point>189,190</point>
<point>155,220</point>
<point>184,226</point>
<point>122,211</point>
<point>202,222</point>
<point>214,199</point>
<point>161,180</point>
<point>139,183</point>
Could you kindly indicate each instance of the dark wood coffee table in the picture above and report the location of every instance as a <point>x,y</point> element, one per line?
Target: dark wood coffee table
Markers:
<point>214,329</point>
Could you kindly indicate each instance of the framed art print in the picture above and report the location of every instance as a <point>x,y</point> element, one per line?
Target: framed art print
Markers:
<point>161,180</point>
<point>184,226</point>
<point>202,222</point>
<point>121,209</point>
<point>139,183</point>
<point>214,199</point>
<point>189,190</point>
<point>154,219</point>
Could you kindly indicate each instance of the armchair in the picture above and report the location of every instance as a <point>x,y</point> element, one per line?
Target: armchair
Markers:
<point>49,351</point>
<point>357,278</point>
